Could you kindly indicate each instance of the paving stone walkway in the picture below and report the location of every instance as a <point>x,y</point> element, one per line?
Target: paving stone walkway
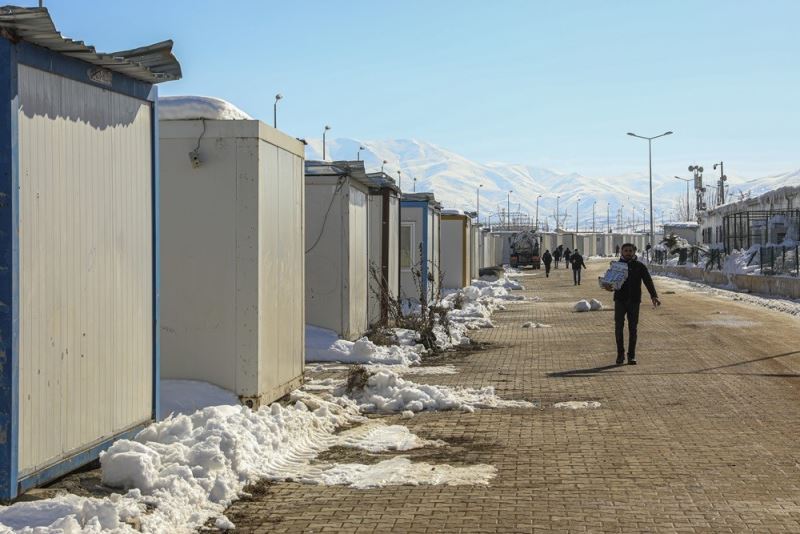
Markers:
<point>701,436</point>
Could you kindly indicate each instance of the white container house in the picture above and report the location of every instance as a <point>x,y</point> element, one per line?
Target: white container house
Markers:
<point>457,257</point>
<point>384,245</point>
<point>498,243</point>
<point>475,251</point>
<point>78,233</point>
<point>420,218</point>
<point>337,247</point>
<point>231,254</point>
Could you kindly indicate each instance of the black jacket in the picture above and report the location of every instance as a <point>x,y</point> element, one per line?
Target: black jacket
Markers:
<point>631,290</point>
<point>547,258</point>
<point>577,261</point>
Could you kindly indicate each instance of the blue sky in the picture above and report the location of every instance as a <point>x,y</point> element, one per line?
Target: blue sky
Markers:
<point>553,84</point>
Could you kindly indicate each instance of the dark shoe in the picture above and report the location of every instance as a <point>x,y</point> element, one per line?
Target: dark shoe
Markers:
<point>620,360</point>
<point>632,361</point>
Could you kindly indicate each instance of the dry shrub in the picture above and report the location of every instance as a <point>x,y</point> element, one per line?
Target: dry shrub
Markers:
<point>357,377</point>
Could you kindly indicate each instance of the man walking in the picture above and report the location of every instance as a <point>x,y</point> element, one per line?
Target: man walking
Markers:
<point>557,255</point>
<point>547,258</point>
<point>577,263</point>
<point>566,258</point>
<point>627,300</point>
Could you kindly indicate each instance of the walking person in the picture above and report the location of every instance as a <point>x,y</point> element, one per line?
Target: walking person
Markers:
<point>577,264</point>
<point>616,253</point>
<point>557,255</point>
<point>627,300</point>
<point>566,258</point>
<point>547,258</point>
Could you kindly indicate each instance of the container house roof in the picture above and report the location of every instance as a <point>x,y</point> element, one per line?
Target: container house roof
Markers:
<point>152,64</point>
<point>353,169</point>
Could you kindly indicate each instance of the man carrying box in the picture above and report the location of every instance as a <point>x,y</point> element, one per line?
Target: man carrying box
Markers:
<point>627,298</point>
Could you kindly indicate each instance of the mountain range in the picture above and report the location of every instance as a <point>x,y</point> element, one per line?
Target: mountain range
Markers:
<point>455,181</point>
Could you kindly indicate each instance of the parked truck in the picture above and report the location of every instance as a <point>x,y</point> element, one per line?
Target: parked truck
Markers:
<point>525,250</point>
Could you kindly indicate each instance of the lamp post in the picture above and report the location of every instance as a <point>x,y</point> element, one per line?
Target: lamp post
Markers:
<point>415,184</point>
<point>275,110</point>
<point>358,154</point>
<point>687,180</point>
<point>508,209</point>
<point>478,211</point>
<point>399,179</point>
<point>557,214</point>
<point>384,162</point>
<point>621,218</point>
<point>577,223</point>
<point>594,204</point>
<point>650,162</point>
<point>324,133</point>
<point>608,216</point>
<point>537,211</point>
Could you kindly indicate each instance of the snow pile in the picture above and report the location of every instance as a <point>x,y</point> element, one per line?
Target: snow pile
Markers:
<point>188,396</point>
<point>387,392</point>
<point>531,324</point>
<point>582,306</point>
<point>198,107</point>
<point>595,305</point>
<point>784,305</point>
<point>72,514</point>
<point>192,467</point>
<point>323,345</point>
<point>401,471</point>
<point>479,301</point>
<point>739,261</point>
<point>577,405</point>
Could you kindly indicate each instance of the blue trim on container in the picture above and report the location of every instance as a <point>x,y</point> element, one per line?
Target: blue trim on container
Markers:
<point>74,462</point>
<point>75,69</point>
<point>155,206</point>
<point>9,287</point>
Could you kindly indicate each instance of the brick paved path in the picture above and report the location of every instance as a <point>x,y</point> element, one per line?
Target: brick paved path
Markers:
<point>701,436</point>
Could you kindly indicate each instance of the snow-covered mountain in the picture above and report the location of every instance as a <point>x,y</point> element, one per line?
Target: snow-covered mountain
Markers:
<point>455,181</point>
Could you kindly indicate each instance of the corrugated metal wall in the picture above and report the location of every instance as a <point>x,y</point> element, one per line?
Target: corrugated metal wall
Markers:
<point>358,265</point>
<point>281,281</point>
<point>375,239</point>
<point>394,245</point>
<point>86,290</point>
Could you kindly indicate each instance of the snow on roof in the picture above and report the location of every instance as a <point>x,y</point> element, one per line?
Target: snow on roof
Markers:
<point>453,212</point>
<point>198,107</point>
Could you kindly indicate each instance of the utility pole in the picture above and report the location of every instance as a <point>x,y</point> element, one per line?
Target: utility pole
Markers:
<point>593,206</point>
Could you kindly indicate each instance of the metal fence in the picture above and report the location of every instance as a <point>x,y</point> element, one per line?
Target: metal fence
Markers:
<point>766,260</point>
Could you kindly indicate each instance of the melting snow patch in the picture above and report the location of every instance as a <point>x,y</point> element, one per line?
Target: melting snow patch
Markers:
<point>577,405</point>
<point>386,392</point>
<point>429,370</point>
<point>378,437</point>
<point>728,322</point>
<point>531,324</point>
<point>401,471</point>
<point>582,306</point>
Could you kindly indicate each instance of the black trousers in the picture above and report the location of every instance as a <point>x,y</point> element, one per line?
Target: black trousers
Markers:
<point>547,269</point>
<point>576,276</point>
<point>621,310</point>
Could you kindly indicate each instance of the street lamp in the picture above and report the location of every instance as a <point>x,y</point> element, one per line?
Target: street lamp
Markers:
<point>608,216</point>
<point>508,209</point>
<point>415,184</point>
<point>275,110</point>
<point>478,212</point>
<point>358,154</point>
<point>399,180</point>
<point>650,161</point>
<point>594,204</point>
<point>577,223</point>
<point>687,180</point>
<point>558,215</point>
<point>324,132</point>
<point>384,162</point>
<point>537,211</point>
